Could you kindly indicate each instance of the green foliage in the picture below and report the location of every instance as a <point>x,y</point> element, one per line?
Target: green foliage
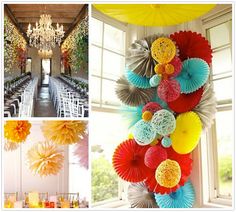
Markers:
<point>105,181</point>
<point>81,52</point>
<point>225,169</point>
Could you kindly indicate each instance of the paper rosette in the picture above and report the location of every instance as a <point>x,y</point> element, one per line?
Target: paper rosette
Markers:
<point>186,102</point>
<point>64,132</point>
<point>187,132</point>
<point>194,75</point>
<point>136,80</point>
<point>184,197</point>
<point>128,161</point>
<point>140,197</point>
<point>81,152</point>
<point>192,45</point>
<point>131,95</point>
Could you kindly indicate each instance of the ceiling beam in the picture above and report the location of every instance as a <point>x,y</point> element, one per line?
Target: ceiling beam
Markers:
<point>36,14</point>
<point>54,20</point>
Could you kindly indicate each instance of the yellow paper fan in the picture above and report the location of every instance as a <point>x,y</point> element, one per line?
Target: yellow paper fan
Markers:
<point>45,158</point>
<point>64,132</point>
<point>16,131</point>
<point>10,146</point>
<point>187,132</point>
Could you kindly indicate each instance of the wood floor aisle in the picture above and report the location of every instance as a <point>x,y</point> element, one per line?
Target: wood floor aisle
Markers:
<point>44,105</point>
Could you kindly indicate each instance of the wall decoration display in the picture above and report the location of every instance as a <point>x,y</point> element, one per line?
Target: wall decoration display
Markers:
<point>166,117</point>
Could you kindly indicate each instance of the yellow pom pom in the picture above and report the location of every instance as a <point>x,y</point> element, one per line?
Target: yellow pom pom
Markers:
<point>169,69</point>
<point>147,116</point>
<point>168,173</point>
<point>130,136</point>
<point>159,69</point>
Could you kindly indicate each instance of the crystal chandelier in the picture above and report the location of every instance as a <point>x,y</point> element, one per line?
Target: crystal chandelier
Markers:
<point>45,54</point>
<point>44,36</point>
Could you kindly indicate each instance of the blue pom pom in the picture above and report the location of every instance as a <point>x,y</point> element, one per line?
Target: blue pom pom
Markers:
<point>166,142</point>
<point>184,197</point>
<point>136,80</point>
<point>154,81</point>
<point>193,75</point>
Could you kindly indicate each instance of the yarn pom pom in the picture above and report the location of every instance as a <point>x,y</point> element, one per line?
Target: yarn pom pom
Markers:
<point>152,107</point>
<point>154,81</point>
<point>166,142</point>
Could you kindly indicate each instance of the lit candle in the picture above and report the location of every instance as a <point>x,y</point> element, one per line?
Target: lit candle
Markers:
<point>33,199</point>
<point>65,204</point>
<point>29,27</point>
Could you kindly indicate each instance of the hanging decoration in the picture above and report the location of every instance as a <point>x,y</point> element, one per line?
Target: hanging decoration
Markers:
<point>64,132</point>
<point>10,146</point>
<point>45,158</point>
<point>16,131</point>
<point>81,151</point>
<point>167,116</point>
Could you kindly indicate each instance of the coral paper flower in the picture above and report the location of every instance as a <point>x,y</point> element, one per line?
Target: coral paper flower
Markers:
<point>16,131</point>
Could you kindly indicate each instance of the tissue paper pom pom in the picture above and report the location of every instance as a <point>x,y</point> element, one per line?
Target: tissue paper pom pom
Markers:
<point>143,133</point>
<point>139,58</point>
<point>154,81</point>
<point>187,132</point>
<point>166,142</point>
<point>133,96</point>
<point>176,62</point>
<point>154,156</point>
<point>192,45</point>
<point>128,161</point>
<point>168,173</point>
<point>64,132</point>
<point>81,151</point>
<point>168,90</point>
<point>10,146</point>
<point>186,102</point>
<point>163,122</point>
<point>140,197</point>
<point>44,158</point>
<point>184,197</point>
<point>136,80</point>
<point>194,75</point>
<point>185,163</point>
<point>16,131</point>
<point>152,107</point>
<point>163,50</point>
<point>206,109</point>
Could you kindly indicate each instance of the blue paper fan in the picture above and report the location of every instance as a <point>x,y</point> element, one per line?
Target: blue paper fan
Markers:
<point>194,75</point>
<point>184,197</point>
<point>136,80</point>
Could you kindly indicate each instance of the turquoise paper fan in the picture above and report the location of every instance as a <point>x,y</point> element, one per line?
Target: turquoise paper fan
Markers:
<point>184,197</point>
<point>194,75</point>
<point>163,104</point>
<point>136,80</point>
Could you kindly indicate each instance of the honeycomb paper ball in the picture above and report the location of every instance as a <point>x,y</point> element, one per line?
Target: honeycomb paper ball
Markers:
<point>154,156</point>
<point>143,133</point>
<point>155,80</point>
<point>168,173</point>
<point>163,122</point>
<point>166,142</point>
<point>152,107</point>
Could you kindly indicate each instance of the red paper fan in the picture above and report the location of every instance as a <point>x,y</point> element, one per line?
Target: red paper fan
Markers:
<point>154,156</point>
<point>185,163</point>
<point>168,90</point>
<point>176,62</point>
<point>186,102</point>
<point>152,107</point>
<point>128,161</point>
<point>192,45</point>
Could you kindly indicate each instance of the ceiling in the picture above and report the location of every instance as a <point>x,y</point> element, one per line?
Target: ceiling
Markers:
<point>67,14</point>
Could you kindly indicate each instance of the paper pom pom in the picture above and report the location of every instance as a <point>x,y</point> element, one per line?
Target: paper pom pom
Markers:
<point>144,133</point>
<point>194,74</point>
<point>163,50</point>
<point>81,152</point>
<point>152,107</point>
<point>186,102</point>
<point>163,122</point>
<point>64,132</point>
<point>185,163</point>
<point>147,116</point>
<point>139,59</point>
<point>133,96</point>
<point>187,132</point>
<point>166,142</point>
<point>192,45</point>
<point>140,197</point>
<point>16,131</point>
<point>10,146</point>
<point>184,197</point>
<point>168,90</point>
<point>154,156</point>
<point>44,159</point>
<point>128,161</point>
<point>176,62</point>
<point>154,81</point>
<point>168,173</point>
<point>206,109</point>
<point>136,80</point>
